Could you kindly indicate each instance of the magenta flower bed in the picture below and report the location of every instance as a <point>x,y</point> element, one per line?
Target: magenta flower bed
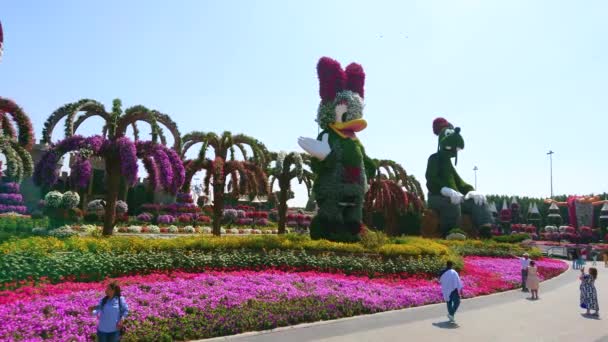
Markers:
<point>60,312</point>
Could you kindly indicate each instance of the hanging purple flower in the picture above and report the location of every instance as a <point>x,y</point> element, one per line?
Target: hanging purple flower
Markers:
<point>152,170</point>
<point>95,143</point>
<point>70,144</point>
<point>164,166</point>
<point>46,172</point>
<point>81,172</point>
<point>128,159</point>
<point>179,172</point>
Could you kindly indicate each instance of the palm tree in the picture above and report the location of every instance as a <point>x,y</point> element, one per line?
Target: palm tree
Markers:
<point>120,154</point>
<point>288,166</point>
<point>247,175</point>
<point>16,140</point>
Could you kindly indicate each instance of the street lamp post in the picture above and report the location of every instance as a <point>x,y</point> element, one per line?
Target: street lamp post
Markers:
<point>550,153</point>
<point>475,170</point>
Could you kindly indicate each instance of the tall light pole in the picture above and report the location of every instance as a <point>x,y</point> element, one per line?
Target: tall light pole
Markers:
<point>550,153</point>
<point>475,170</point>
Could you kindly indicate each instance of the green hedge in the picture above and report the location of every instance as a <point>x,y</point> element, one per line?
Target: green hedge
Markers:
<point>92,259</point>
<point>512,238</point>
<point>489,248</point>
<point>406,247</point>
<point>87,266</point>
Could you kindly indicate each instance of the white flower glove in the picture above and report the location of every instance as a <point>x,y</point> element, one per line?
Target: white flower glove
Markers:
<point>478,198</point>
<point>455,196</point>
<point>314,147</point>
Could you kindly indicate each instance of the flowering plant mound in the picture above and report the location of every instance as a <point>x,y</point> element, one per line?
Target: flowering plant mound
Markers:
<point>161,303</point>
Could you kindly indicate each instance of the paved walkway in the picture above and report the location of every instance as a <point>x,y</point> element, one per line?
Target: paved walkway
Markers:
<point>507,316</point>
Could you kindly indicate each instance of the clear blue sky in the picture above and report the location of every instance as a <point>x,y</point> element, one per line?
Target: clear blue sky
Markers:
<point>520,77</point>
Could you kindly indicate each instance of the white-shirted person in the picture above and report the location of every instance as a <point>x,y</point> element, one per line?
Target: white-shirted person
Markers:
<point>525,263</point>
<point>451,288</point>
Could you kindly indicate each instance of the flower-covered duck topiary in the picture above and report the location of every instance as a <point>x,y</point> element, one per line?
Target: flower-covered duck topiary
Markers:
<point>448,193</point>
<point>339,162</point>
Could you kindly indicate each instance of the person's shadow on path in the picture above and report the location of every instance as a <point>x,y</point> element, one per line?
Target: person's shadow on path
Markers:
<point>446,325</point>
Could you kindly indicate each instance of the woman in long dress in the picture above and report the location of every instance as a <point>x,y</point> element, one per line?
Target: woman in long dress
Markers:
<point>588,291</point>
<point>532,280</point>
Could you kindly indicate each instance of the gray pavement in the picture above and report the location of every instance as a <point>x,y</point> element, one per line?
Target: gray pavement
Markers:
<point>507,316</point>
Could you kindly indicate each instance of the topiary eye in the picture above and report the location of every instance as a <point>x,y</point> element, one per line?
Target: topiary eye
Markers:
<point>341,112</point>
<point>344,117</point>
<point>448,132</point>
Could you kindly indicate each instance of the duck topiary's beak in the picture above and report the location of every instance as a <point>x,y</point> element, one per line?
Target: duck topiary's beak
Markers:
<point>349,128</point>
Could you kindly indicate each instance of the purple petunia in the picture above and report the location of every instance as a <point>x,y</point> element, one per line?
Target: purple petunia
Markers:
<point>165,219</point>
<point>128,159</point>
<point>81,172</point>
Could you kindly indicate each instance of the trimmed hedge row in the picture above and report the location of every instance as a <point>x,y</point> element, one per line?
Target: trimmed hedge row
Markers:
<point>408,247</point>
<point>489,248</point>
<point>75,258</point>
<point>86,266</point>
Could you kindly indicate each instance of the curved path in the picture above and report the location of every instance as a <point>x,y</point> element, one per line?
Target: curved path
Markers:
<point>506,316</point>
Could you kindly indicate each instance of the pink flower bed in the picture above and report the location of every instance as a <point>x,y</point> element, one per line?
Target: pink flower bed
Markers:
<point>60,312</point>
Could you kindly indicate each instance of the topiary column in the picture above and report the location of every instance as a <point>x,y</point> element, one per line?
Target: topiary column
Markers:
<point>11,200</point>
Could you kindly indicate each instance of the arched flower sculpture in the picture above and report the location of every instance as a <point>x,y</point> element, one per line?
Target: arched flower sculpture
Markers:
<point>16,140</point>
<point>120,154</point>
<point>288,166</point>
<point>247,175</point>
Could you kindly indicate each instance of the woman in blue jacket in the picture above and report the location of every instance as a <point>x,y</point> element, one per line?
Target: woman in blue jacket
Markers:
<point>111,311</point>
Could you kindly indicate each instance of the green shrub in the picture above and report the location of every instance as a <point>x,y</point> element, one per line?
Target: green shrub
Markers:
<point>512,238</point>
<point>489,248</point>
<point>372,240</point>
<point>485,232</point>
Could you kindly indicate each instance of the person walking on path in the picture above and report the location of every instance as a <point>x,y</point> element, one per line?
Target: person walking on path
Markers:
<point>532,280</point>
<point>575,259</point>
<point>111,311</point>
<point>588,291</point>
<point>594,254</point>
<point>525,262</point>
<point>451,288</point>
<point>606,259</point>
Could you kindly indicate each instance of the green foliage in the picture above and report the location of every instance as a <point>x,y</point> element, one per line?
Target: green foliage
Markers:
<point>489,248</point>
<point>19,226</point>
<point>91,266</point>
<point>485,232</point>
<point>513,238</point>
<point>373,240</point>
